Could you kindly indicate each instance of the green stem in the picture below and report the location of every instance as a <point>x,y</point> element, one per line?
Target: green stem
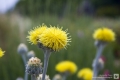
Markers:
<point>25,61</point>
<point>64,78</point>
<point>65,75</point>
<point>95,62</point>
<point>33,77</point>
<point>46,60</point>
<point>24,58</point>
<point>26,76</point>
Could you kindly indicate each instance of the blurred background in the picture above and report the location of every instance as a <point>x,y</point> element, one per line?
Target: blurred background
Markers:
<point>80,17</point>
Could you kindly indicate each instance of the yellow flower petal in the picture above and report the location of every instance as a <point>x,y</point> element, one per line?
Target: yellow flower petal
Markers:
<point>85,73</point>
<point>34,34</point>
<point>54,38</point>
<point>104,34</point>
<point>1,52</point>
<point>66,66</point>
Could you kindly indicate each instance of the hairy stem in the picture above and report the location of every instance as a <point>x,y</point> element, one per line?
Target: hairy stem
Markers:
<point>26,76</point>
<point>46,60</point>
<point>65,75</point>
<point>95,62</point>
<point>24,58</point>
<point>25,61</point>
<point>33,77</point>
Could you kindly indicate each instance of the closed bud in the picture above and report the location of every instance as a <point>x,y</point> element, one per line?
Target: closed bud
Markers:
<point>30,54</point>
<point>40,77</point>
<point>34,66</point>
<point>57,77</point>
<point>19,78</point>
<point>22,49</point>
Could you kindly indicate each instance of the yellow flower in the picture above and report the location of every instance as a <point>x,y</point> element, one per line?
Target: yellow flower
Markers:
<point>85,73</point>
<point>34,34</point>
<point>1,52</point>
<point>66,66</point>
<point>54,38</point>
<point>104,34</point>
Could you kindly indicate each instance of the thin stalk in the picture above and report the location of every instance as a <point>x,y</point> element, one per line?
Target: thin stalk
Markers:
<point>65,75</point>
<point>46,60</point>
<point>26,76</point>
<point>98,55</point>
<point>24,58</point>
<point>25,61</point>
<point>33,77</point>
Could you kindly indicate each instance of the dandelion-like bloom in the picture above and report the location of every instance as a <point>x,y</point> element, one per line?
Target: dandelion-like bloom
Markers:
<point>104,34</point>
<point>34,34</point>
<point>49,40</point>
<point>66,66</point>
<point>85,73</point>
<point>1,52</point>
<point>54,38</point>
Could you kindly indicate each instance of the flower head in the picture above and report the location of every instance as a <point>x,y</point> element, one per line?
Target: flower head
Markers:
<point>54,38</point>
<point>34,66</point>
<point>34,34</point>
<point>1,52</point>
<point>34,61</point>
<point>66,66</point>
<point>85,73</point>
<point>104,34</point>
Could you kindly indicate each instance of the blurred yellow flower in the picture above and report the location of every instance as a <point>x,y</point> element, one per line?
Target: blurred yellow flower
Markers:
<point>66,66</point>
<point>54,38</point>
<point>104,34</point>
<point>1,52</point>
<point>34,34</point>
<point>85,73</point>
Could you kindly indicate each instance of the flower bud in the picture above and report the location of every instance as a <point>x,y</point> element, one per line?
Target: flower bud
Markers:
<point>22,48</point>
<point>30,54</point>
<point>34,66</point>
<point>19,78</point>
<point>40,77</point>
<point>57,77</point>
